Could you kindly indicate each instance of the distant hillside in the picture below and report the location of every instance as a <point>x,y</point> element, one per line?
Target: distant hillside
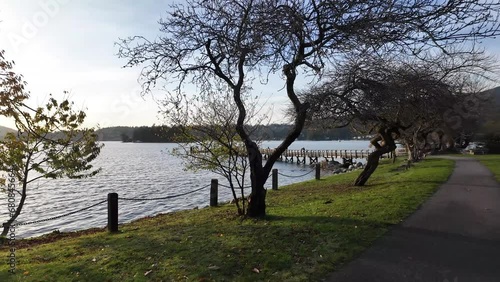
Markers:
<point>490,127</point>
<point>4,130</point>
<point>114,133</point>
<point>495,95</point>
<point>492,108</point>
<point>262,132</point>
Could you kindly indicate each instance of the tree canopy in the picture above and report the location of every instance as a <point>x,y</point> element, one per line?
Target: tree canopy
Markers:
<point>396,98</point>
<point>50,141</point>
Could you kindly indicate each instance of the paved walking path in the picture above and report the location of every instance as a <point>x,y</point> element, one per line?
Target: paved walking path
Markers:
<point>453,237</point>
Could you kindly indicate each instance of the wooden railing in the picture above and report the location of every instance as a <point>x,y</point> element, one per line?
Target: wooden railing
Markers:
<point>301,156</point>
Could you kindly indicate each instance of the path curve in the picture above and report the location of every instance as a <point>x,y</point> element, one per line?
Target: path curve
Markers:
<point>453,237</point>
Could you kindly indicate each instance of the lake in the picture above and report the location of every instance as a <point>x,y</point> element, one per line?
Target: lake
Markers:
<point>137,170</point>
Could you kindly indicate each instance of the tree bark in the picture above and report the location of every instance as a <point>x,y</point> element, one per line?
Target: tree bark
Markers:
<point>257,199</point>
<point>257,202</point>
<point>6,225</point>
<point>371,166</point>
<point>412,152</point>
<point>385,135</point>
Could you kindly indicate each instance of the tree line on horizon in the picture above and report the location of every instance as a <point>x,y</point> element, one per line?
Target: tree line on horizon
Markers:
<point>485,130</point>
<point>166,134</point>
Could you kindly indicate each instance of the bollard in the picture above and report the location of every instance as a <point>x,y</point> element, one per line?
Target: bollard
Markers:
<point>214,187</point>
<point>113,212</point>
<point>318,171</point>
<point>275,179</point>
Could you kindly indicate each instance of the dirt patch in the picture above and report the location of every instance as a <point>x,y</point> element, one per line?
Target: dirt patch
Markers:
<point>51,237</point>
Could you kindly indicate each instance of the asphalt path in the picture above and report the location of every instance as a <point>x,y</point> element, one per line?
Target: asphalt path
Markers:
<point>453,237</point>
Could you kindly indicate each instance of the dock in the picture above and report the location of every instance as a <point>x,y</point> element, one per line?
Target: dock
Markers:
<point>315,156</point>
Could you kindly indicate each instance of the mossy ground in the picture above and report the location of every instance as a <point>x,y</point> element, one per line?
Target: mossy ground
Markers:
<point>312,228</point>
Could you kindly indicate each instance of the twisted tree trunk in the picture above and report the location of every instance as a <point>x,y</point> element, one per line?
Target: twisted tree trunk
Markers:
<point>258,172</point>
<point>257,199</point>
<point>387,145</point>
<point>19,208</point>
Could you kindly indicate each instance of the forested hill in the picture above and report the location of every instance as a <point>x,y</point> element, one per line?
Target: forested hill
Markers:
<point>267,132</point>
<point>495,95</point>
<point>166,134</point>
<point>490,129</point>
<point>279,132</point>
<point>4,130</point>
<point>263,132</point>
<point>115,133</point>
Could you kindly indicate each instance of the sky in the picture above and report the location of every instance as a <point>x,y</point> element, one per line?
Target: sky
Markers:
<point>63,45</point>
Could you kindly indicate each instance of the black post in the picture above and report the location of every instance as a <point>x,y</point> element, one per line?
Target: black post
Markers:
<point>113,212</point>
<point>318,171</point>
<point>214,187</point>
<point>275,179</point>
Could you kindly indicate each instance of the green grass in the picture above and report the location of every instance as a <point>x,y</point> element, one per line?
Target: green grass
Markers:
<point>312,228</point>
<point>492,162</point>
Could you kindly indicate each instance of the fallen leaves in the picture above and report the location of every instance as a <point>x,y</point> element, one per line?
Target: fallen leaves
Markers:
<point>150,270</point>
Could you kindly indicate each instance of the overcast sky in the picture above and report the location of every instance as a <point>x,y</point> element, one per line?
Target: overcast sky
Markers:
<point>69,45</point>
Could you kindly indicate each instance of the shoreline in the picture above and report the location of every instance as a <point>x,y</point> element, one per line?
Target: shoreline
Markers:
<point>293,240</point>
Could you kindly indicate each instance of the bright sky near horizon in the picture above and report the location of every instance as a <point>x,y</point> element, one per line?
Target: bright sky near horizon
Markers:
<point>69,45</point>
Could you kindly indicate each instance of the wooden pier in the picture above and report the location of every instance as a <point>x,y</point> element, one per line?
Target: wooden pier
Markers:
<point>314,156</point>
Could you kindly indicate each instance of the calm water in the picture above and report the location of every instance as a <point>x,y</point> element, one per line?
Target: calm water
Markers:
<point>137,170</point>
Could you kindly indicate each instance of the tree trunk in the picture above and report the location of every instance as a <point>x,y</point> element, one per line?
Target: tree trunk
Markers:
<point>236,200</point>
<point>257,202</point>
<point>412,152</point>
<point>6,225</point>
<point>371,166</point>
<point>385,135</point>
<point>258,172</point>
<point>257,199</point>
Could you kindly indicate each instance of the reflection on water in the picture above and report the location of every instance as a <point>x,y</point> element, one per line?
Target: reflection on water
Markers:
<point>135,170</point>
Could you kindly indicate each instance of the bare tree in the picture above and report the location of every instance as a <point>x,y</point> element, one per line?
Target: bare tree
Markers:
<point>235,41</point>
<point>207,138</point>
<point>393,98</point>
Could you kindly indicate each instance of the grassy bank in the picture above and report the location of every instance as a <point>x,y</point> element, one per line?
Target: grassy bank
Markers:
<point>312,228</point>
<point>492,162</point>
